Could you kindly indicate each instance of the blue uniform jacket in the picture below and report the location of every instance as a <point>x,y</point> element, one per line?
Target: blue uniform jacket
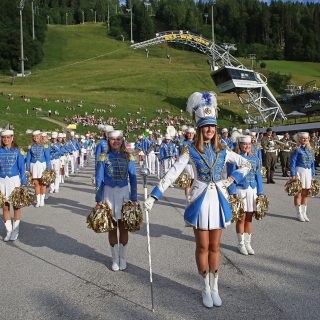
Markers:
<point>102,147</point>
<point>252,179</point>
<point>301,157</point>
<point>227,142</point>
<point>113,169</point>
<point>55,151</point>
<point>167,151</point>
<point>12,164</point>
<point>38,152</point>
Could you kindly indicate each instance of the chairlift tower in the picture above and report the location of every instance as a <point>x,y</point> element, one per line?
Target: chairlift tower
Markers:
<point>229,74</point>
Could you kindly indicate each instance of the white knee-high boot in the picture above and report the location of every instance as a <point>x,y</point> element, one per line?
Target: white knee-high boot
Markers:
<point>115,257</point>
<point>15,230</point>
<point>300,216</point>
<point>206,292</point>
<point>8,225</point>
<point>214,276</point>
<point>303,208</point>
<point>247,243</point>
<point>42,200</point>
<point>38,200</point>
<point>123,249</point>
<point>241,246</point>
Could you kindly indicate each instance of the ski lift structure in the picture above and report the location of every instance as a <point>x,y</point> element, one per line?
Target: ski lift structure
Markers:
<point>229,75</point>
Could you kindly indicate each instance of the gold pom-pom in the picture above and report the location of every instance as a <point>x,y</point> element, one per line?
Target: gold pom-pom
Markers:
<point>101,219</point>
<point>48,177</point>
<point>263,171</point>
<point>3,200</point>
<point>132,216</point>
<point>184,180</point>
<point>21,197</point>
<point>29,178</point>
<point>237,209</point>
<point>314,189</point>
<point>262,204</point>
<point>293,187</point>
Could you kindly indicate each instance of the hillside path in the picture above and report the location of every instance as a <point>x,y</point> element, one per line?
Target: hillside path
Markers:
<point>61,124</point>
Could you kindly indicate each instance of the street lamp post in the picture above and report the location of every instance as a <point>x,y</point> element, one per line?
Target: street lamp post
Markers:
<point>206,16</point>
<point>66,18</point>
<point>131,33</point>
<point>82,12</point>
<point>32,13</point>
<point>21,6</point>
<point>48,19</point>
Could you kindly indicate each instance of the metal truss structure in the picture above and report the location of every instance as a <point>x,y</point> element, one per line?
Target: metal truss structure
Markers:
<point>259,103</point>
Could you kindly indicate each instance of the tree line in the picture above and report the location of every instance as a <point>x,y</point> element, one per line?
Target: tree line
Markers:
<point>278,30</point>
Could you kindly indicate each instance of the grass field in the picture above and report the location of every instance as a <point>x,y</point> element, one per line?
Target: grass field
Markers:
<point>82,64</point>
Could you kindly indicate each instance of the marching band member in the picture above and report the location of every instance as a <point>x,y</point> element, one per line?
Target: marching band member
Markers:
<point>38,160</point>
<point>208,211</point>
<point>225,139</point>
<point>63,157</point>
<point>74,152</point>
<point>247,189</point>
<point>285,151</point>
<point>167,156</point>
<point>138,149</point>
<point>12,175</point>
<point>55,154</point>
<point>256,147</point>
<point>302,167</point>
<point>113,171</point>
<point>270,155</point>
<point>148,145</point>
<point>102,145</point>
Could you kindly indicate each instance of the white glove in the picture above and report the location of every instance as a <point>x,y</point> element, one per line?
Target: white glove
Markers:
<point>148,204</point>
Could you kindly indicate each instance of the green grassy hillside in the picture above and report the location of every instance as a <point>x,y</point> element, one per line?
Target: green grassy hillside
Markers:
<point>82,64</point>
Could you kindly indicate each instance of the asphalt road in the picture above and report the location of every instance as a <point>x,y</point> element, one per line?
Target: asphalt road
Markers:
<point>60,269</point>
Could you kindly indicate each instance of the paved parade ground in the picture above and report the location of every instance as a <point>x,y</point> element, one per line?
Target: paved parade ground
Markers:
<point>60,269</point>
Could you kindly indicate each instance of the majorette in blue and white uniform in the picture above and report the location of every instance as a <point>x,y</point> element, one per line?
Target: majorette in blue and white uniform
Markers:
<point>188,169</point>
<point>256,148</point>
<point>209,208</point>
<point>55,154</point>
<point>114,171</point>
<point>38,160</point>
<point>75,149</point>
<point>148,146</point>
<point>167,156</point>
<point>63,156</point>
<point>302,167</point>
<point>251,185</point>
<point>138,149</point>
<point>225,140</point>
<point>102,145</point>
<point>12,175</point>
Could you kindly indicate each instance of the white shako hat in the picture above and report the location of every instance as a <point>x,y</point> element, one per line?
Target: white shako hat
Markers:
<point>60,135</point>
<point>240,130</point>
<point>54,134</point>
<point>303,134</point>
<point>168,136</point>
<point>159,141</point>
<point>246,139</point>
<point>108,129</point>
<point>36,132</point>
<point>224,130</point>
<point>253,133</point>
<point>204,108</point>
<point>72,133</point>
<point>44,134</point>
<point>191,130</point>
<point>7,133</point>
<point>115,134</point>
<point>76,136</point>
<point>247,131</point>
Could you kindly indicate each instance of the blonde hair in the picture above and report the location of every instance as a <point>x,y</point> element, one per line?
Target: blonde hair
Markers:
<point>123,148</point>
<point>238,150</point>
<point>198,141</point>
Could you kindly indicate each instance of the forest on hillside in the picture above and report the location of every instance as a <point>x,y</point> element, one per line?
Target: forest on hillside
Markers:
<point>275,30</point>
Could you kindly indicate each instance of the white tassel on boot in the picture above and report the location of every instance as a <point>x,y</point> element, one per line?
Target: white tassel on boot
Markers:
<point>300,216</point>
<point>241,246</point>
<point>206,292</point>
<point>8,225</point>
<point>214,276</point>
<point>115,257</point>
<point>303,209</point>
<point>42,200</point>
<point>38,200</point>
<point>15,230</point>
<point>247,243</point>
<point>123,256</point>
